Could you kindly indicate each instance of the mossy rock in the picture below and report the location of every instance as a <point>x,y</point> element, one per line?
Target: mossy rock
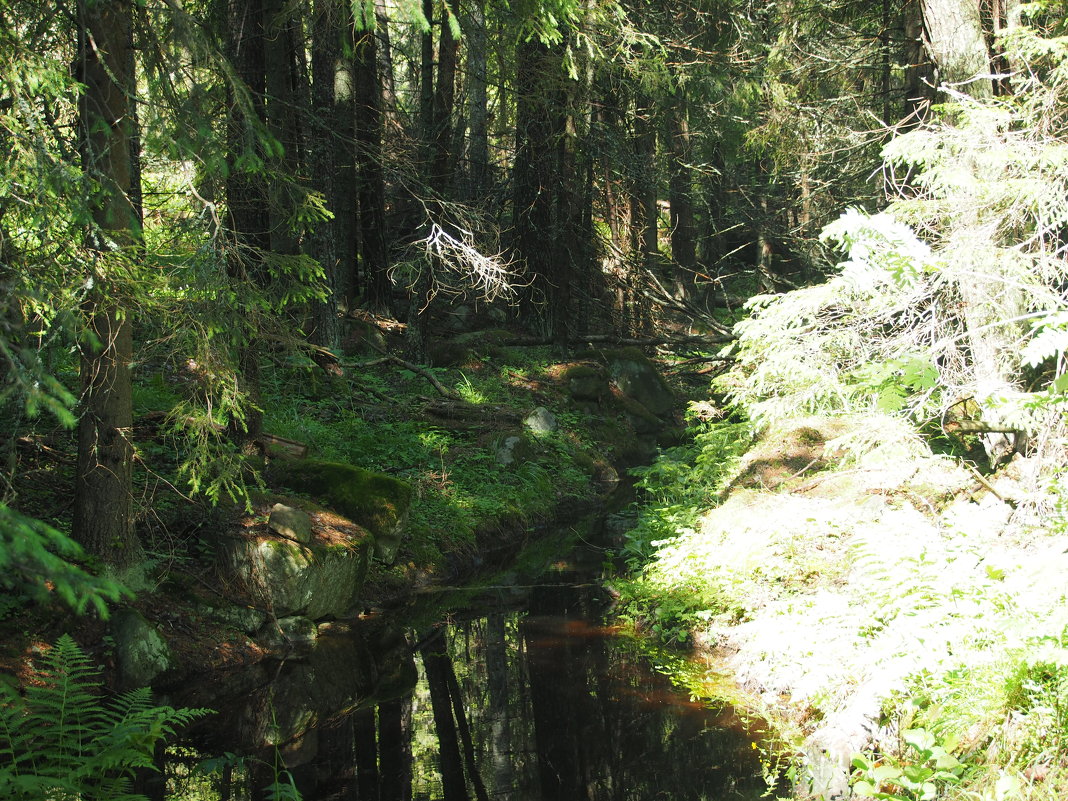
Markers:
<point>637,377</point>
<point>449,353</point>
<point>640,418</point>
<point>291,579</point>
<point>377,502</point>
<point>586,382</point>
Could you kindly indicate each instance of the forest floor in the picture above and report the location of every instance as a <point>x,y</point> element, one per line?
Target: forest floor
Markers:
<point>902,617</point>
<point>440,429</point>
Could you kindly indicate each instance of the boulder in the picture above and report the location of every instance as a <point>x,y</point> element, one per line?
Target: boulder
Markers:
<point>141,653</point>
<point>637,378</point>
<point>290,579</point>
<point>586,383</point>
<point>377,502</point>
<point>293,524</point>
<point>294,631</point>
<point>512,450</point>
<point>540,422</point>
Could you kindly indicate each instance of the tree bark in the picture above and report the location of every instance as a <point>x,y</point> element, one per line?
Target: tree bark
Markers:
<point>246,190</point>
<point>103,502</point>
<point>683,239</point>
<point>953,32</point>
<point>374,243</point>
<point>477,109</point>
<point>329,18</point>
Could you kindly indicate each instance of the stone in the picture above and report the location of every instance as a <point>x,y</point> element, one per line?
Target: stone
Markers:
<point>511,450</point>
<point>295,631</point>
<point>242,618</point>
<point>586,382</point>
<point>290,579</point>
<point>540,422</point>
<point>141,653</point>
<point>377,502</point>
<point>638,379</point>
<point>290,523</point>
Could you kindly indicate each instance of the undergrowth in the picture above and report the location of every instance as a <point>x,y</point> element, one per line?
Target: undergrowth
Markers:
<point>62,740</point>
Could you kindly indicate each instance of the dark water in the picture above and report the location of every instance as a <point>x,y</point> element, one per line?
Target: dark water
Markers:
<point>524,695</point>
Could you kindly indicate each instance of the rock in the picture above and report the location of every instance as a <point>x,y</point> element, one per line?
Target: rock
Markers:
<point>290,523</point>
<point>511,450</point>
<point>295,631</point>
<point>638,379</point>
<point>541,421</point>
<point>290,579</point>
<point>141,653</point>
<point>242,618</point>
<point>640,418</point>
<point>377,502</point>
<point>586,383</point>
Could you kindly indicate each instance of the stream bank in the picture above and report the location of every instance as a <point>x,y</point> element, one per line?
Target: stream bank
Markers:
<point>901,617</point>
<point>446,488</point>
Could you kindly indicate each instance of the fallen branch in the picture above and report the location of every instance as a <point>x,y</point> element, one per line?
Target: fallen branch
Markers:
<point>611,339</point>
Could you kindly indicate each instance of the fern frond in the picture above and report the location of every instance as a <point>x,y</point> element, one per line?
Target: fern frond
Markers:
<point>62,740</point>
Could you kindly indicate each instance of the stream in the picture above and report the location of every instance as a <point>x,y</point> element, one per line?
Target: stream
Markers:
<point>518,691</point>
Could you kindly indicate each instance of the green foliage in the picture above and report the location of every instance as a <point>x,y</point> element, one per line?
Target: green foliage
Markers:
<point>922,776</point>
<point>60,740</point>
<point>681,483</point>
<point>41,562</point>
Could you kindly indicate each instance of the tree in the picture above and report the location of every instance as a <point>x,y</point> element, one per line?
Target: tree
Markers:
<point>953,34</point>
<point>103,504</point>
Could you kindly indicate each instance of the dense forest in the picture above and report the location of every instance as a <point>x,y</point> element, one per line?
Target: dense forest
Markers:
<point>231,229</point>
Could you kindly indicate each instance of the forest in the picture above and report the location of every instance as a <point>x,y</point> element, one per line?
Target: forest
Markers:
<point>308,308</point>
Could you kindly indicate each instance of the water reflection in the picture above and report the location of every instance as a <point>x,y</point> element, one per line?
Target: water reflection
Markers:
<point>544,703</point>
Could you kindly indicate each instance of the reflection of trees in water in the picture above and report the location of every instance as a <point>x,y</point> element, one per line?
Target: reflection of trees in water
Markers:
<point>558,709</point>
<point>508,707</point>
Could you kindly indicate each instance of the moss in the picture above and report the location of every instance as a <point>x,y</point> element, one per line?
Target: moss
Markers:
<point>586,463</point>
<point>377,502</point>
<point>449,353</point>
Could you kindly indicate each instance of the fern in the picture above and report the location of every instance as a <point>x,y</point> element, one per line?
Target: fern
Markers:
<point>60,740</point>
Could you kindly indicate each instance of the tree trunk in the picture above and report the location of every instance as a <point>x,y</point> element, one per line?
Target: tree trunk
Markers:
<point>323,148</point>
<point>246,191</point>
<point>103,502</point>
<point>477,109</point>
<point>683,241</point>
<point>374,244</point>
<point>279,63</point>
<point>953,32</point>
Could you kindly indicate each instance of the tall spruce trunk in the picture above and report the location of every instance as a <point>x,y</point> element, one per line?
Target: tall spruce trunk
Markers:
<point>103,502</point>
<point>953,32</point>
<point>374,243</point>
<point>246,191</point>
<point>323,147</point>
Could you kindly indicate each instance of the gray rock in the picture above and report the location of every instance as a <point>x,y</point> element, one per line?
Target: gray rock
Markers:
<point>507,450</point>
<point>242,618</point>
<point>290,523</point>
<point>295,631</point>
<point>290,579</point>
<point>586,383</point>
<point>541,421</point>
<point>638,379</point>
<point>140,651</point>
